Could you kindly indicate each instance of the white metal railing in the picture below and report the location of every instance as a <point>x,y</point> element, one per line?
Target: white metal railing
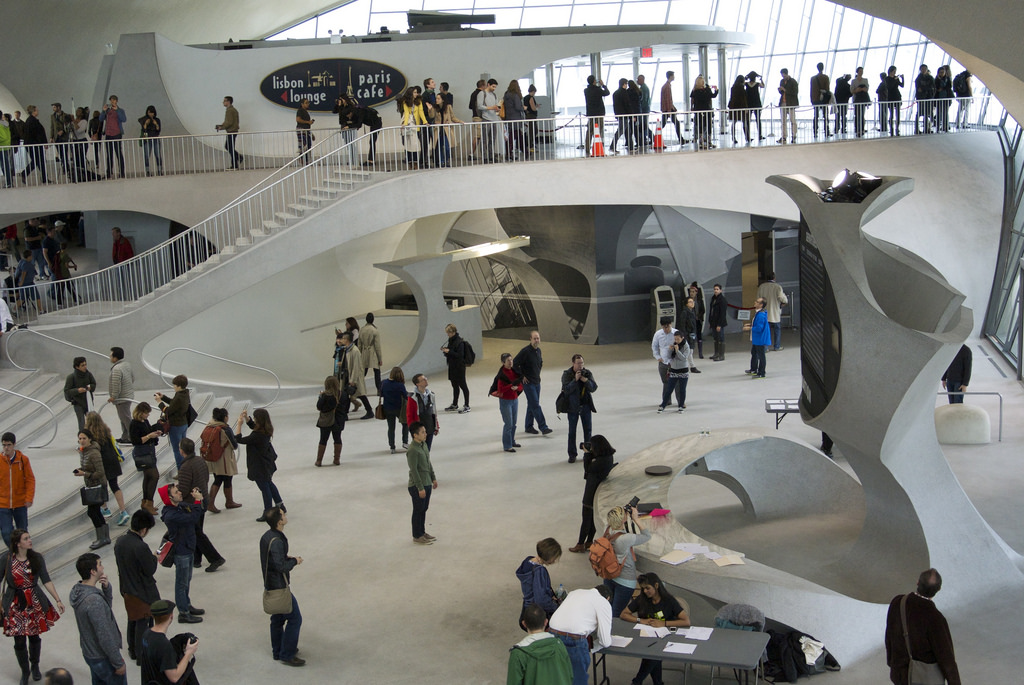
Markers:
<point>84,161</point>
<point>335,167</point>
<point>18,331</point>
<point>277,379</point>
<point>53,417</point>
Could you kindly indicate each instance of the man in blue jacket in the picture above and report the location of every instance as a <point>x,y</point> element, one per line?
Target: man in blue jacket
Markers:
<point>760,338</point>
<point>181,519</point>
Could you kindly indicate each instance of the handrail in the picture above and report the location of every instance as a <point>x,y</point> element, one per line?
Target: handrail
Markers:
<point>160,367</point>
<point>48,337</point>
<point>53,417</point>
<point>982,392</point>
<point>306,187</point>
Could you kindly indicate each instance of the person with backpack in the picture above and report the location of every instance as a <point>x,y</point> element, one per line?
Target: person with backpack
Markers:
<point>964,91</point>
<point>458,358</point>
<point>194,474</point>
<point>217,445</point>
<point>612,556</point>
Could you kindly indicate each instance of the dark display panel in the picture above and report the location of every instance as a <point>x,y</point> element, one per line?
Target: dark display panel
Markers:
<point>820,329</point>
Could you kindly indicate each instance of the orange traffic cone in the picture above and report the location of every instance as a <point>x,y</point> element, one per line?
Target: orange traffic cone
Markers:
<point>658,143</point>
<point>598,148</point>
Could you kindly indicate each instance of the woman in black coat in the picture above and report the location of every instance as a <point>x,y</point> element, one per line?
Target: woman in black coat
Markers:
<point>597,463</point>
<point>260,457</point>
<point>455,355</point>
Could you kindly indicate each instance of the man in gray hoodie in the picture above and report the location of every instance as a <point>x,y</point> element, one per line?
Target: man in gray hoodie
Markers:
<point>98,632</point>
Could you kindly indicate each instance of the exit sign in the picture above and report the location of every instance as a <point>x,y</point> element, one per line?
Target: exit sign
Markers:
<point>646,52</point>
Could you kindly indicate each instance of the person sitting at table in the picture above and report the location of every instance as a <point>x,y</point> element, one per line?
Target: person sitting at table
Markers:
<point>654,606</point>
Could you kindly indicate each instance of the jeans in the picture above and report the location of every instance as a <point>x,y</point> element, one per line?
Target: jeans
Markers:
<point>175,434</point>
<point>621,594</point>
<point>182,581</point>
<point>270,494</point>
<point>757,359</point>
<point>11,519</point>
<point>859,111</point>
<point>284,632</point>
<point>509,413</point>
<point>392,417</point>
<point>42,269</point>
<point>419,511</point>
<point>152,145</point>
<point>305,138</point>
<point>533,410</point>
<point>579,657</point>
<point>229,145</point>
<point>679,386</point>
<point>951,386</point>
<point>776,331</point>
<point>103,673</point>
<point>583,416</point>
<point>7,166</point>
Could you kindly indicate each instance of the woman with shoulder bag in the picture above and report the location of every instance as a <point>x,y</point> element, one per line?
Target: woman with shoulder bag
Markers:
<point>27,613</point>
<point>111,463</point>
<point>225,468</point>
<point>91,468</point>
<point>333,408</point>
<point>144,439</point>
<point>508,385</point>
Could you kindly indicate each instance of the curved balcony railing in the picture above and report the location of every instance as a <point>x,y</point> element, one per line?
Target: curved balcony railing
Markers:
<point>347,159</point>
<point>53,417</point>
<point>277,379</point>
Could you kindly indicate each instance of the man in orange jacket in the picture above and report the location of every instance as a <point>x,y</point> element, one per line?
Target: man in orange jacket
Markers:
<point>17,489</point>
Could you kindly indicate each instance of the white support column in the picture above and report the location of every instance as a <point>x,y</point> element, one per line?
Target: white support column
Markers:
<point>549,76</point>
<point>685,82</point>
<point>595,65</point>
<point>723,88</point>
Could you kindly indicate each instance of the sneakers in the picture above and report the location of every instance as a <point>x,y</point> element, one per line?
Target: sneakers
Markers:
<point>681,410</point>
<point>124,518</point>
<point>393,450</point>
<point>661,410</point>
<point>405,445</point>
<point>532,431</point>
<point>547,431</point>
<point>423,540</point>
<point>294,661</point>
<point>464,410</point>
<point>106,512</point>
<point>452,407</point>
<point>429,536</point>
<point>750,372</point>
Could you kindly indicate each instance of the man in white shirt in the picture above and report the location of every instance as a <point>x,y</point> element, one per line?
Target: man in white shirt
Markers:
<point>581,613</point>
<point>661,346</point>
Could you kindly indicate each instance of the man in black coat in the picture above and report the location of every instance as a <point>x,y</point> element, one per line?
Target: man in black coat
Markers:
<point>528,364</point>
<point>136,577</point>
<point>958,375</point>
<point>594,95</point>
<point>717,321</point>
<point>926,630</point>
<point>34,133</point>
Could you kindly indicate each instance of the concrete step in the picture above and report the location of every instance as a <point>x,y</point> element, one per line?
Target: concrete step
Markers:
<point>301,209</point>
<point>287,217</point>
<point>273,226</point>
<point>323,190</point>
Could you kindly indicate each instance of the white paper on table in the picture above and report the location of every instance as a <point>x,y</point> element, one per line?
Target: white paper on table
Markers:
<point>712,555</point>
<point>698,633</point>
<point>676,557</point>
<point>619,641</point>
<point>691,547</point>
<point>680,647</point>
<point>651,631</point>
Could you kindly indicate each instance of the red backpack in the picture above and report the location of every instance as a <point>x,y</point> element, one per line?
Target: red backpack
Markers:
<point>603,559</point>
<point>210,448</point>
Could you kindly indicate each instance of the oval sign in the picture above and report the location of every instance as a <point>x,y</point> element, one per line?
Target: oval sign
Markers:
<point>322,80</point>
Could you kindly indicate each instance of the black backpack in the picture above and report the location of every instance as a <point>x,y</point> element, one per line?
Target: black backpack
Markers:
<point>468,354</point>
<point>960,84</point>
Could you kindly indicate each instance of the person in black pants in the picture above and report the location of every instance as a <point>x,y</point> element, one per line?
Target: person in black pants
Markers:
<point>717,321</point>
<point>91,468</point>
<point>195,474</point>
<point>597,463</point>
<point>455,354</point>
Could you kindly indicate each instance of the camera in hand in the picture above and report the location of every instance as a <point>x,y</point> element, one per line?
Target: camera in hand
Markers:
<point>585,446</point>
<point>632,505</point>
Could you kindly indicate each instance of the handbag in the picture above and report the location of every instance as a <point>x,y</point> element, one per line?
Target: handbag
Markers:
<point>166,553</point>
<point>191,415</point>
<point>277,601</point>
<point>144,456</point>
<point>93,494</point>
<point>918,672</point>
<point>379,411</point>
<point>326,418</point>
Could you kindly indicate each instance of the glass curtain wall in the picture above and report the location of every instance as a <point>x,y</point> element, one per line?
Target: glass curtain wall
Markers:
<point>795,34</point>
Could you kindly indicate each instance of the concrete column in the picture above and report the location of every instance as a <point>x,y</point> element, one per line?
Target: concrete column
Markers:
<point>636,62</point>
<point>549,76</point>
<point>595,65</point>
<point>705,64</point>
<point>723,89</point>
<point>684,81</point>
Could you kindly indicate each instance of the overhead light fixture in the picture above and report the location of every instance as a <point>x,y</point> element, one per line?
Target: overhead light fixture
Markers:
<point>850,186</point>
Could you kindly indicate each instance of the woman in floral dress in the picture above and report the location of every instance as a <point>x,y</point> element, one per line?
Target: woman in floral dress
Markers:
<point>27,612</point>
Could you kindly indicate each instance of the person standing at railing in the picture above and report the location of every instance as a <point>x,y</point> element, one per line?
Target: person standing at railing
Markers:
<point>668,107</point>
<point>230,127</point>
<point>789,100</point>
<point>843,95</point>
<point>821,95</point>
<point>150,124</point>
<point>35,138</point>
<point>303,124</point>
<point>882,93</point>
<point>81,143</point>
<point>428,137</point>
<point>645,109</point>
<point>113,131</point>
<point>344,107</point>
<point>6,152</point>
<point>964,91</point>
<point>515,115</point>
<point>532,110</point>
<point>893,100</point>
<point>738,108</point>
<point>861,99</point>
<point>620,107</point>
<point>61,128</point>
<point>410,108</point>
<point>63,286</point>
<point>594,94</point>
<point>754,86</point>
<point>924,93</point>
<point>487,103</point>
<point>96,135</point>
<point>944,96</point>
<point>359,116</point>
<point>703,115</point>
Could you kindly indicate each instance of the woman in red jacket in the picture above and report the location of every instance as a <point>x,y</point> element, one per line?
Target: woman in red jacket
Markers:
<point>507,387</point>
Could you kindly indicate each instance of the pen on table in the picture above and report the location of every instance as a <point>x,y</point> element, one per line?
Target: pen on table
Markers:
<point>653,643</point>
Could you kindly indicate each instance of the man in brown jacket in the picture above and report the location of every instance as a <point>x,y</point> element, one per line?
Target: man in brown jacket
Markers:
<point>926,630</point>
<point>195,474</point>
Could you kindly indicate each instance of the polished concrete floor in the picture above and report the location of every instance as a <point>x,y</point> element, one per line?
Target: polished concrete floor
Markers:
<point>379,609</point>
